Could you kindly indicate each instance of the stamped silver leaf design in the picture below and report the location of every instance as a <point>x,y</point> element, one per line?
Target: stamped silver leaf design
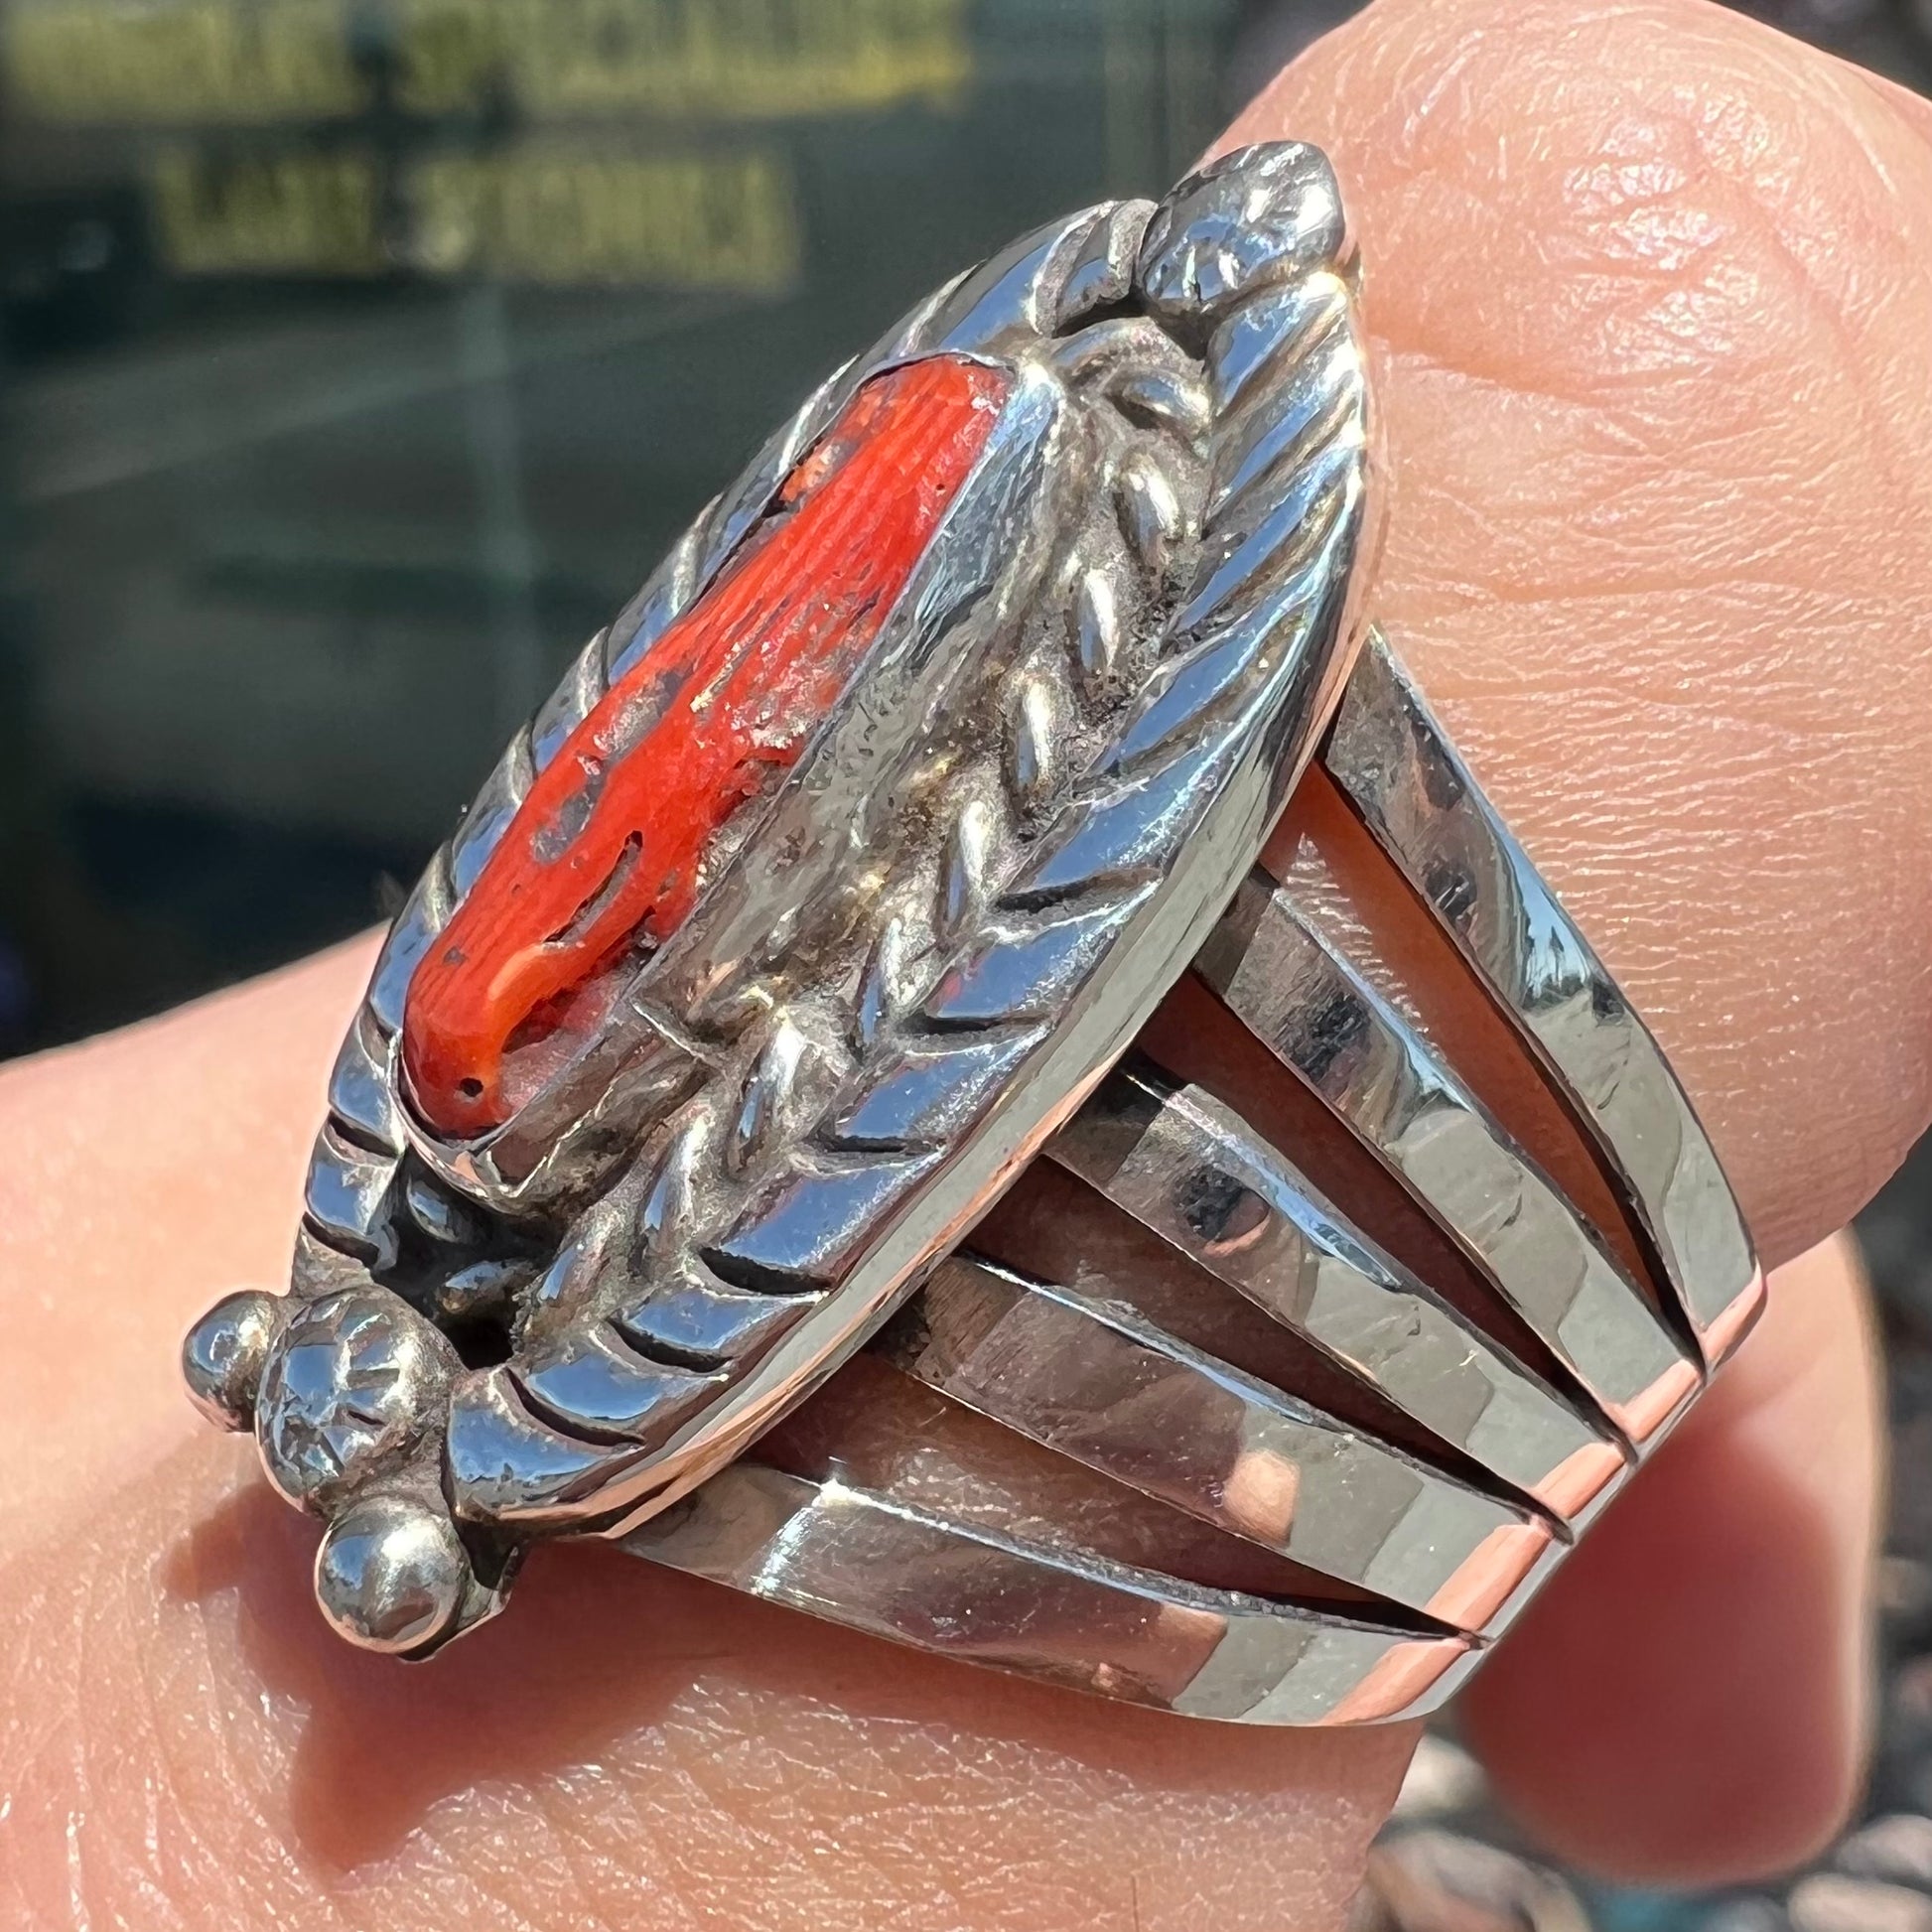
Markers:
<point>1267,600</point>
<point>350,1387</point>
<point>670,1201</point>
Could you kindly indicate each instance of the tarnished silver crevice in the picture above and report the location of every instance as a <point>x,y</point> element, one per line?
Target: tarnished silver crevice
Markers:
<point>919,957</point>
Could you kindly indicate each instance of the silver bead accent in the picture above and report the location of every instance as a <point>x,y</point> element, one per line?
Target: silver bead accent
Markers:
<point>354,1382</point>
<point>391,1574</point>
<point>221,1356</point>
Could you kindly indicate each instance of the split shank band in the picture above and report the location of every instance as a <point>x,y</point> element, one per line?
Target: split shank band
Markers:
<point>838,888</point>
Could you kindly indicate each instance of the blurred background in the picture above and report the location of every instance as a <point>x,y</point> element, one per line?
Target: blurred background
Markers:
<point>358,357</point>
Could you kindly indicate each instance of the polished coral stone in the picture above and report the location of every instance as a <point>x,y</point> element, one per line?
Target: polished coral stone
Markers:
<point>605,852</point>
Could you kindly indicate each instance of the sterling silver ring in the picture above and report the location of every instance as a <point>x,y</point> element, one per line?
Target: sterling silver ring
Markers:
<point>1000,761</point>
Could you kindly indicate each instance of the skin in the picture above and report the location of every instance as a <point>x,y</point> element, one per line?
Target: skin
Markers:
<point>1652,294</point>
